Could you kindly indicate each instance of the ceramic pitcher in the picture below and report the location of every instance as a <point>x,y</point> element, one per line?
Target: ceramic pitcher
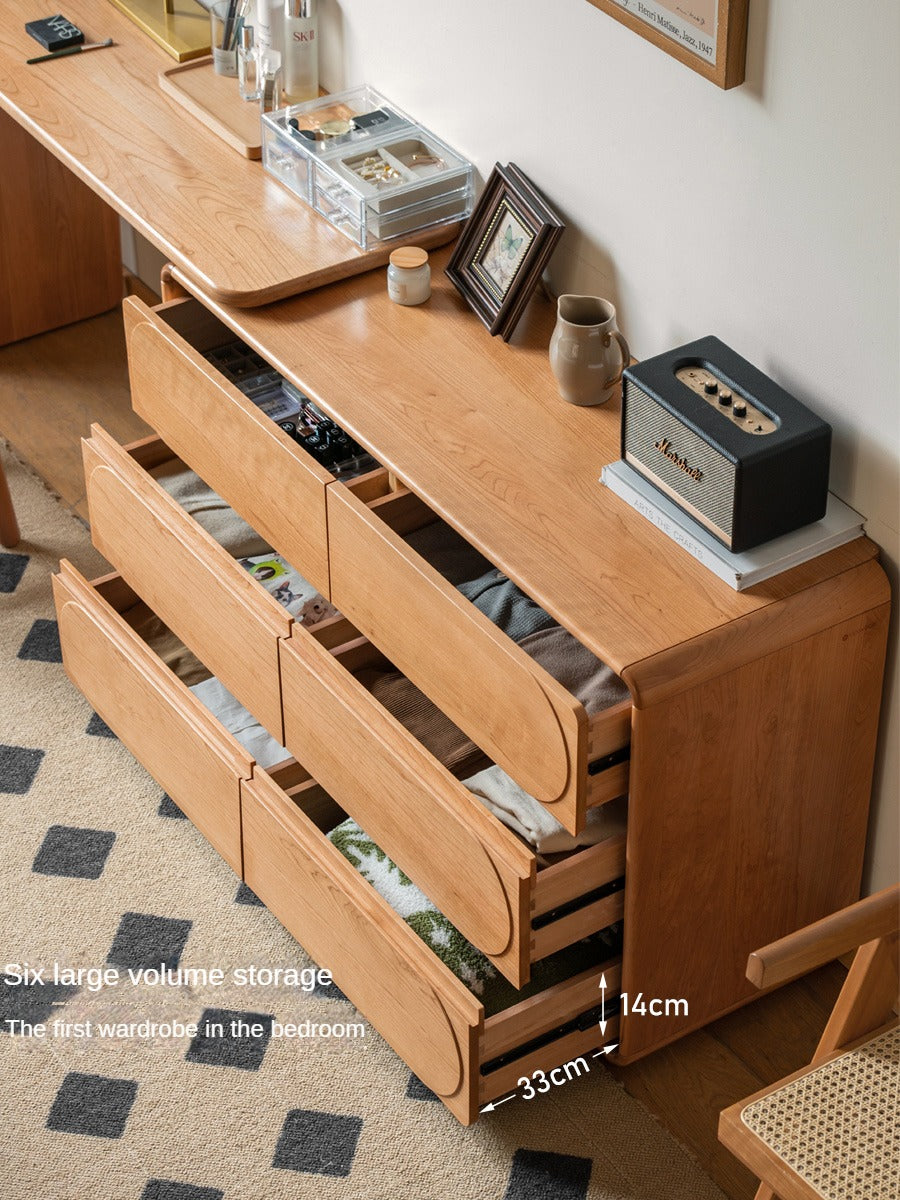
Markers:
<point>587,352</point>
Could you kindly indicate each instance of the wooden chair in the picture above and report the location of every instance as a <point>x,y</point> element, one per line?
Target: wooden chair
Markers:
<point>831,1129</point>
<point>9,528</point>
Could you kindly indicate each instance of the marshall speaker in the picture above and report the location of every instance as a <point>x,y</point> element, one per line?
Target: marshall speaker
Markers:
<point>725,443</point>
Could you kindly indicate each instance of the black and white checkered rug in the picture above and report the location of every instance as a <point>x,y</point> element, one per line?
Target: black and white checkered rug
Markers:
<point>186,1091</point>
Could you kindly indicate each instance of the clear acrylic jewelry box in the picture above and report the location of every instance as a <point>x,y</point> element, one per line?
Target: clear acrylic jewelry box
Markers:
<point>367,167</point>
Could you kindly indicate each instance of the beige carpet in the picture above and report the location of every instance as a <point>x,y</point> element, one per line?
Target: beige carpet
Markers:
<point>97,865</point>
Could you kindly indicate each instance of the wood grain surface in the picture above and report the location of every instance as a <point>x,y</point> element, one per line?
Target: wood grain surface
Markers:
<point>231,227</point>
<point>59,243</point>
<point>476,428</point>
<point>164,726</point>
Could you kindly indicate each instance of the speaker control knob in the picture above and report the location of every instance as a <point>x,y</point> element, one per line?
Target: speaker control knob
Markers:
<point>724,399</point>
<point>740,408</point>
<point>710,387</point>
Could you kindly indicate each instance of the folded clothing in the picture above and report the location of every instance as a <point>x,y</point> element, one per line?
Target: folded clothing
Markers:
<point>240,723</point>
<point>290,589</point>
<point>505,604</point>
<point>580,672</point>
<point>165,645</point>
<point>448,552</point>
<point>466,962</point>
<point>424,720</point>
<point>208,509</point>
<point>533,822</point>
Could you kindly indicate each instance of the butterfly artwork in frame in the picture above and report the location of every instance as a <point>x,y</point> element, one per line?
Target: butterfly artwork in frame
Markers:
<point>503,249</point>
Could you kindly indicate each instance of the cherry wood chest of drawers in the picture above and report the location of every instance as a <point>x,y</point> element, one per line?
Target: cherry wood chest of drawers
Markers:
<point>746,747</point>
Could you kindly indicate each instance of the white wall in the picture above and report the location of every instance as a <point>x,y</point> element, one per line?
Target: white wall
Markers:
<point>767,214</point>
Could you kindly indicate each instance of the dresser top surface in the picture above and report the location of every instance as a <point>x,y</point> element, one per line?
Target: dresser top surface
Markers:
<point>218,216</point>
<point>477,429</point>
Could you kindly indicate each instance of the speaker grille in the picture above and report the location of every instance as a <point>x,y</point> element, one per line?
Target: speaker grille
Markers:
<point>646,423</point>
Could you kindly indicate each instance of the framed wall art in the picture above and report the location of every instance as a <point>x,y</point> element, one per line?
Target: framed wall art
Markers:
<point>503,248</point>
<point>709,36</point>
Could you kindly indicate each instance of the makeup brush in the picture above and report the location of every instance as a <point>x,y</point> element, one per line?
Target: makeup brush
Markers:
<point>70,50</point>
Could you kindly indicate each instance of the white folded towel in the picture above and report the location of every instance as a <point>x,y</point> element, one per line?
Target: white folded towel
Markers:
<point>532,821</point>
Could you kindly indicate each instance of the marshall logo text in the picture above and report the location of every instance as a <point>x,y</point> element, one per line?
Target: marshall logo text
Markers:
<point>664,446</point>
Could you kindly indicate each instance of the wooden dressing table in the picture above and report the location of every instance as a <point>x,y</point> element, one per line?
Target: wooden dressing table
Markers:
<point>747,747</point>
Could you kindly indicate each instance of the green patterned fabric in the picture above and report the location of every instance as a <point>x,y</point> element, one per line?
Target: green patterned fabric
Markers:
<point>466,962</point>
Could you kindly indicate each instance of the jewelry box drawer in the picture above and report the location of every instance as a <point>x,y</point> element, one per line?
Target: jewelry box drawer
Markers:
<point>149,709</point>
<point>196,587</point>
<point>521,717</point>
<point>476,871</point>
<point>235,448</point>
<point>417,1004</point>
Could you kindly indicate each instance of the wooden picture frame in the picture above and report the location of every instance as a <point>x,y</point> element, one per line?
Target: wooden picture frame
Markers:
<point>709,36</point>
<point>495,268</point>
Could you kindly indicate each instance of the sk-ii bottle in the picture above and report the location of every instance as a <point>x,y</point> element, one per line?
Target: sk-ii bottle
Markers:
<point>301,51</point>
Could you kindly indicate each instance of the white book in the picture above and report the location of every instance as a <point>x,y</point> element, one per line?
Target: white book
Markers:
<point>839,525</point>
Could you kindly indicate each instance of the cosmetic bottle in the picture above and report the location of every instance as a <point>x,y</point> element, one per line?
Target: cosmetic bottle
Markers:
<point>301,51</point>
<point>269,25</point>
<point>248,66</point>
<point>270,85</point>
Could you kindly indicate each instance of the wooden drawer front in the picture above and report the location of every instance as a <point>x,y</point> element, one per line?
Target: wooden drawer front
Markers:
<point>474,869</point>
<point>426,1014</point>
<point>233,446</point>
<point>517,713</point>
<point>470,865</point>
<point>417,1005</point>
<point>163,725</point>
<point>203,594</point>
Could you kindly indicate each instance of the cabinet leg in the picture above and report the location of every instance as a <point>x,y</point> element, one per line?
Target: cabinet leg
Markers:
<point>9,528</point>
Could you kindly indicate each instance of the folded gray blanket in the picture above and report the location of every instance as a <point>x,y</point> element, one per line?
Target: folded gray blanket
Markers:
<point>505,604</point>
<point>209,510</point>
<point>466,962</point>
<point>580,672</point>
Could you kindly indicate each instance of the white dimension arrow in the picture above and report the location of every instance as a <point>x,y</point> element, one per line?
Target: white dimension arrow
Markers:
<point>496,1103</point>
<point>606,1050</point>
<point>603,1003</point>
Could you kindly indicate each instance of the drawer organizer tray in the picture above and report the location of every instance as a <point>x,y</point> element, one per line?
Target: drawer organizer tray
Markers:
<point>517,713</point>
<point>268,824</point>
<point>486,881</point>
<point>365,166</point>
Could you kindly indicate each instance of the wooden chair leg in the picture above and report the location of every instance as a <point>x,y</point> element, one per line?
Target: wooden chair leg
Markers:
<point>9,528</point>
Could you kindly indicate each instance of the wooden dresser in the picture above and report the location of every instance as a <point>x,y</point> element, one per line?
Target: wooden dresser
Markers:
<point>746,750</point>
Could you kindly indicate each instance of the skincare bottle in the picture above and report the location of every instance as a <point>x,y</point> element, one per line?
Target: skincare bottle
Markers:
<point>269,25</point>
<point>248,66</point>
<point>269,80</point>
<point>301,51</point>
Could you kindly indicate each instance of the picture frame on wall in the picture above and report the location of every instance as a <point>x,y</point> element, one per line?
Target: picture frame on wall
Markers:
<point>710,36</point>
<point>503,249</point>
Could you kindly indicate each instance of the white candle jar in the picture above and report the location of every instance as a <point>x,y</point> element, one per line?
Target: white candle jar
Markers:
<point>409,276</point>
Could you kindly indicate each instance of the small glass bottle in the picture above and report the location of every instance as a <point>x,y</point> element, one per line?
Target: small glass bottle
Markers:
<point>248,66</point>
<point>301,51</point>
<point>409,276</point>
<point>269,80</point>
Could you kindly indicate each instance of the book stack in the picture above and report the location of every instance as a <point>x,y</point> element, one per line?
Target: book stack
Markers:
<point>839,525</point>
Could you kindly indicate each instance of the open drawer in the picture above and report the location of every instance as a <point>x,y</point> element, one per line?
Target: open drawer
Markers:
<point>195,586</point>
<point>418,1005</point>
<point>151,711</point>
<point>477,872</point>
<point>239,451</point>
<point>507,703</point>
<point>300,684</point>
